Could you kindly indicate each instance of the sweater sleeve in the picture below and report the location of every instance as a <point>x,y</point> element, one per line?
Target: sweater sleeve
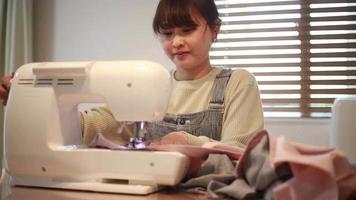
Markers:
<point>101,120</point>
<point>243,114</point>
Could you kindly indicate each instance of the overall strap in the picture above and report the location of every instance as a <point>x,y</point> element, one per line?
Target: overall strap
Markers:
<point>221,80</point>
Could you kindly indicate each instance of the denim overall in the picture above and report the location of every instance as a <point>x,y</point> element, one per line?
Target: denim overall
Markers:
<point>205,123</point>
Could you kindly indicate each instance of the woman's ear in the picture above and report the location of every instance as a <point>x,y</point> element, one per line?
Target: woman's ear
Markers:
<point>215,31</point>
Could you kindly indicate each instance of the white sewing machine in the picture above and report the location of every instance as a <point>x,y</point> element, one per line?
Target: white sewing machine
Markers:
<point>43,142</point>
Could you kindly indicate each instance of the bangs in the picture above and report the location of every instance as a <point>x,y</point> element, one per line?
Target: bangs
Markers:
<point>173,14</point>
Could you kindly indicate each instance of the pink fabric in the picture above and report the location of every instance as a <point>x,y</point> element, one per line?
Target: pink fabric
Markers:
<point>319,173</point>
<point>201,151</point>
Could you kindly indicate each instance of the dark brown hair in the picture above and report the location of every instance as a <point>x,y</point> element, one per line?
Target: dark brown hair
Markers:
<point>177,13</point>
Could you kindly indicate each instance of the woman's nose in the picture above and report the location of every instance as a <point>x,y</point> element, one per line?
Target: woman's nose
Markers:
<point>177,41</point>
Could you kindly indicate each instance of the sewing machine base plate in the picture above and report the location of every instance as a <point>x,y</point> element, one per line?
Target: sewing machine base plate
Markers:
<point>110,187</point>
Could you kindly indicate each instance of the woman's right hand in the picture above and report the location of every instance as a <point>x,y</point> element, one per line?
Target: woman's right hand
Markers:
<point>5,87</point>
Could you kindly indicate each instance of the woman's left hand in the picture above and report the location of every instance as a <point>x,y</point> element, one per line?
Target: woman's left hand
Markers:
<point>178,137</point>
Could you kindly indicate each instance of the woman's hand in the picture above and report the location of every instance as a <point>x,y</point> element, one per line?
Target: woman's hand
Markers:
<point>5,88</point>
<point>172,138</point>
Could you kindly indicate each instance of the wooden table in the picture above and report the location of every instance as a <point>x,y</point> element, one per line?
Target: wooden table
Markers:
<point>26,193</point>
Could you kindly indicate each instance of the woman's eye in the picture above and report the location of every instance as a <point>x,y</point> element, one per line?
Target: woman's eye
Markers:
<point>166,33</point>
<point>188,30</point>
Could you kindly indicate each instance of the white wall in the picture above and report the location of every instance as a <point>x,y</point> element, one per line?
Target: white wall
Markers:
<point>308,131</point>
<point>68,30</point>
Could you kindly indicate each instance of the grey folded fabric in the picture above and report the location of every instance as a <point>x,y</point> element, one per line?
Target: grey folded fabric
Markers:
<point>218,178</point>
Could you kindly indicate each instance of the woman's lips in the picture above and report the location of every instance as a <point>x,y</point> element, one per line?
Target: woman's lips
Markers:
<point>181,55</point>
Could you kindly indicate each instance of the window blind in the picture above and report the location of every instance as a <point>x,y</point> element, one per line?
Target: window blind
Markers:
<point>302,52</point>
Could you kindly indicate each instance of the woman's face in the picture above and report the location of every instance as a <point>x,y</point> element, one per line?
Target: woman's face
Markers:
<point>189,47</point>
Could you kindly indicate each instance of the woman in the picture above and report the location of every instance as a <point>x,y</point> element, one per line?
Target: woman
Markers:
<point>207,103</point>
